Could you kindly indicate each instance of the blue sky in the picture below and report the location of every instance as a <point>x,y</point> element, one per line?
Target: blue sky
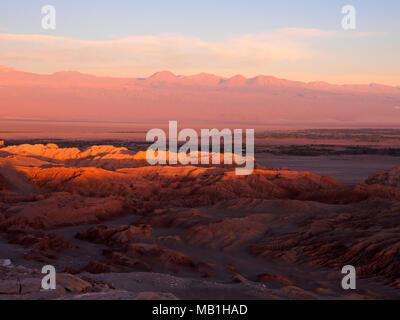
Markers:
<point>369,55</point>
<point>104,19</point>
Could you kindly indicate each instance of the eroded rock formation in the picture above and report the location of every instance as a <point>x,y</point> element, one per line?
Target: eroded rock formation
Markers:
<point>104,211</point>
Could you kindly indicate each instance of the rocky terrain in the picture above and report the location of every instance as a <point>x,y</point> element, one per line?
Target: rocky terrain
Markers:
<point>388,178</point>
<point>116,228</point>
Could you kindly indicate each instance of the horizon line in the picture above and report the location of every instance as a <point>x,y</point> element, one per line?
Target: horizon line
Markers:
<point>10,69</point>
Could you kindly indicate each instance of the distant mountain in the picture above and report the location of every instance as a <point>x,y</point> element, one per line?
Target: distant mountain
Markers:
<point>164,96</point>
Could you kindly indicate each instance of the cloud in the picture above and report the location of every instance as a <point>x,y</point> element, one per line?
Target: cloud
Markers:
<point>142,54</point>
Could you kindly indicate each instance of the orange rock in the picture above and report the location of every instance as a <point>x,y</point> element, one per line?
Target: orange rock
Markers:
<point>72,283</point>
<point>274,278</point>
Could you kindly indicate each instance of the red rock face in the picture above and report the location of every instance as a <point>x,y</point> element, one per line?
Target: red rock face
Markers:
<point>4,185</point>
<point>40,246</point>
<point>199,222</point>
<point>118,236</point>
<point>364,235</point>
<point>388,178</point>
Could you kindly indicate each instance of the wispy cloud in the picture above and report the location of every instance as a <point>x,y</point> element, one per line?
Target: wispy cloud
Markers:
<point>143,54</point>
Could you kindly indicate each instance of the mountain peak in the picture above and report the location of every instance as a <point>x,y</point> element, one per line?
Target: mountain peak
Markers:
<point>236,80</point>
<point>163,76</point>
<point>204,79</point>
<point>67,72</point>
<point>6,69</point>
<point>262,80</point>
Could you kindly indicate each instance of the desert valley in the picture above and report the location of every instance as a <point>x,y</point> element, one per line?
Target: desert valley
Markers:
<point>116,228</point>
<point>220,156</point>
<point>77,193</point>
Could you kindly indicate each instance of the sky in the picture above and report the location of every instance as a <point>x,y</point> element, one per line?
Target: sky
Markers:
<point>293,39</point>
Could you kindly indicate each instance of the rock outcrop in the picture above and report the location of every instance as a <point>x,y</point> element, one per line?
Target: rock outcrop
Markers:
<point>389,177</point>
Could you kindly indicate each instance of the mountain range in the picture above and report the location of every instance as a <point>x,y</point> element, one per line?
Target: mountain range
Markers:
<point>201,98</point>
